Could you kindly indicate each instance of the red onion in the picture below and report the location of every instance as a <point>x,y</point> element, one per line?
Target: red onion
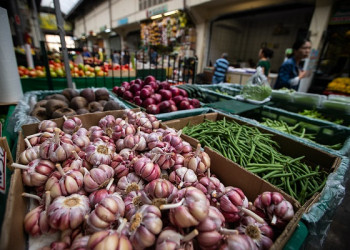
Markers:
<point>99,152</point>
<point>197,161</point>
<point>166,94</point>
<point>128,95</point>
<point>169,238</point>
<point>153,109</point>
<point>175,91</point>
<point>135,87</point>
<point>260,233</point>
<point>164,106</point>
<point>145,224</point>
<point>195,103</point>
<point>71,125</point>
<point>56,148</point>
<point>64,183</point>
<point>120,91</point>
<point>164,85</point>
<point>115,89</point>
<point>106,212</point>
<point>191,208</point>
<point>132,202</point>
<point>129,183</point>
<point>183,177</point>
<point>184,105</point>
<point>279,210</point>
<point>233,204</point>
<point>149,79</point>
<point>172,108</point>
<point>156,97</point>
<point>145,93</point>
<point>145,168</point>
<point>183,93</point>
<point>36,172</point>
<point>239,242</point>
<point>153,84</point>
<point>97,177</point>
<point>178,99</point>
<point>137,100</point>
<point>68,212</point>
<point>126,85</point>
<point>159,192</point>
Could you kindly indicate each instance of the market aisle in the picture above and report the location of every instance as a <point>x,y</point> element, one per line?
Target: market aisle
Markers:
<point>338,235</point>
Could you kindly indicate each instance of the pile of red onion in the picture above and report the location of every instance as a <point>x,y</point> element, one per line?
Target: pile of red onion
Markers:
<point>155,96</point>
<point>106,191</point>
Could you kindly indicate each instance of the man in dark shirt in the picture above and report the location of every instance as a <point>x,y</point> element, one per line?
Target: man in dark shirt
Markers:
<point>221,66</point>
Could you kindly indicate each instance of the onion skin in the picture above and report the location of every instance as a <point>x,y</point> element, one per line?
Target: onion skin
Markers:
<point>68,212</point>
<point>98,177</point>
<point>145,224</point>
<point>195,208</point>
<point>231,203</point>
<point>239,242</point>
<point>108,239</point>
<point>209,229</point>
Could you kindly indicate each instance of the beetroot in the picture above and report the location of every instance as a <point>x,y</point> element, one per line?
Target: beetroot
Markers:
<point>195,103</point>
<point>153,109</point>
<point>126,85</point>
<point>138,100</point>
<point>185,105</point>
<point>166,94</point>
<point>175,91</point>
<point>145,93</point>
<point>164,106</point>
<point>157,97</point>
<point>183,92</point>
<point>178,99</point>
<point>127,95</point>
<point>120,91</point>
<point>147,102</point>
<point>135,87</point>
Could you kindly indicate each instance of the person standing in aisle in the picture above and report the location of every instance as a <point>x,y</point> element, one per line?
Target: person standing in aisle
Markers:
<point>265,54</point>
<point>126,57</point>
<point>116,57</point>
<point>220,69</point>
<point>290,73</point>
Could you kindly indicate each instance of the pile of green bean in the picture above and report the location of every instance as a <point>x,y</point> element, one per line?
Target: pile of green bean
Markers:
<point>259,154</point>
<point>297,130</point>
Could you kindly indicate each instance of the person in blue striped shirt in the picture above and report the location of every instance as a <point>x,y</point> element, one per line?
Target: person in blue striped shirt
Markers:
<point>221,66</point>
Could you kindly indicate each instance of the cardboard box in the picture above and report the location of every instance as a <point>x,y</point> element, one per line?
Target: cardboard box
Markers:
<point>14,237</point>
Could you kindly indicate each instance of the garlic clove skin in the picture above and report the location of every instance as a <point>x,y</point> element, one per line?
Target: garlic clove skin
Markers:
<point>108,239</point>
<point>28,155</point>
<point>71,125</point>
<point>239,242</point>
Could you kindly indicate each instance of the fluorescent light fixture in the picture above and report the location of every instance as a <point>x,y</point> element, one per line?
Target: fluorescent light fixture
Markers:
<point>156,16</point>
<point>107,30</point>
<point>171,12</point>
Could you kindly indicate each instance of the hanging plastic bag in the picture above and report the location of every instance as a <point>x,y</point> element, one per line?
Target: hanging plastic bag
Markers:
<point>257,87</point>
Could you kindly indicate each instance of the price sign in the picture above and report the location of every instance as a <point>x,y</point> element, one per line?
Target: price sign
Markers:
<point>2,170</point>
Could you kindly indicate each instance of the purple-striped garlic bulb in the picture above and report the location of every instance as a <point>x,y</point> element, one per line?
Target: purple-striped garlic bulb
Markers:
<point>186,147</point>
<point>145,224</point>
<point>183,177</point>
<point>130,182</point>
<point>198,161</point>
<point>159,192</point>
<point>63,183</point>
<point>47,126</point>
<point>136,142</point>
<point>154,121</point>
<point>73,163</point>
<point>37,139</point>
<point>99,152</point>
<point>233,204</point>
<point>239,242</point>
<point>147,169</point>
<point>98,177</point>
<point>179,162</point>
<point>164,160</point>
<point>170,238</point>
<point>86,164</point>
<point>68,212</point>
<point>261,233</point>
<point>175,141</point>
<point>80,243</point>
<point>279,210</point>
<point>212,187</point>
<point>56,149</point>
<point>29,154</point>
<point>109,239</point>
<point>121,131</point>
<point>107,123</point>
<point>81,140</point>
<point>212,229</point>
<point>36,221</point>
<point>154,140</point>
<point>95,132</point>
<point>71,125</point>
<point>66,239</point>
<point>124,168</point>
<point>190,209</point>
<point>36,172</point>
<point>106,213</point>
<point>98,195</point>
<point>133,201</point>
